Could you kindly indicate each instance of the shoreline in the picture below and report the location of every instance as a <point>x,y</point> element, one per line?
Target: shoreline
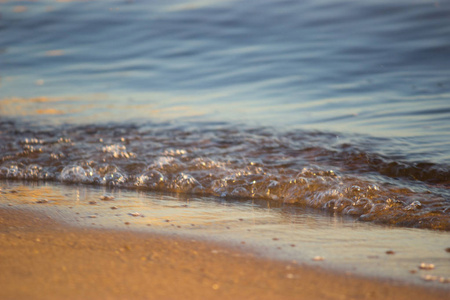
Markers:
<point>45,259</point>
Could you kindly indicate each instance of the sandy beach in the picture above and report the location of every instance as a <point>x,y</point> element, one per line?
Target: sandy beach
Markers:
<point>199,149</point>
<point>43,259</point>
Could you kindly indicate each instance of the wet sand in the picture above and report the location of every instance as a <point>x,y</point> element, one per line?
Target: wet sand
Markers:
<point>43,259</point>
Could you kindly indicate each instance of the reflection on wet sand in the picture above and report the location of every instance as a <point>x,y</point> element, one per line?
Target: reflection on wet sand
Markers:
<point>268,229</point>
<point>43,259</point>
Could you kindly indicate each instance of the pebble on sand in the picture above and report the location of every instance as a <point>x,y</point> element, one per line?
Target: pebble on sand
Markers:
<point>430,277</point>
<point>106,197</point>
<point>318,258</point>
<point>135,214</point>
<point>42,201</point>
<point>444,280</point>
<point>425,266</point>
<point>390,252</point>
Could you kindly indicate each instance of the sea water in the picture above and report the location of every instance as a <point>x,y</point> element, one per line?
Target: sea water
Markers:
<point>341,107</point>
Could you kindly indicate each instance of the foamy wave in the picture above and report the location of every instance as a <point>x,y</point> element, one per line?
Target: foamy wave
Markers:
<point>293,169</point>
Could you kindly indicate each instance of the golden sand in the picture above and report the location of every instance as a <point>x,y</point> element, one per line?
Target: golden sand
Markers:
<point>43,259</point>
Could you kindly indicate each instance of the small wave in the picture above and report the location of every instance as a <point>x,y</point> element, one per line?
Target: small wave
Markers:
<point>298,169</point>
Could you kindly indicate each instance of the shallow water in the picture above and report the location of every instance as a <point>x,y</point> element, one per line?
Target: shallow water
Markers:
<point>295,235</point>
<point>334,105</point>
<point>310,169</point>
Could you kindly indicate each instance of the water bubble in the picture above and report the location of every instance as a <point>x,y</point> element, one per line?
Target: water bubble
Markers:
<point>240,191</point>
<point>33,172</point>
<point>117,151</point>
<point>394,202</point>
<point>166,163</point>
<point>31,141</point>
<point>355,188</point>
<point>74,173</point>
<point>353,210</point>
<point>175,152</point>
<point>413,206</point>
<point>338,205</point>
<point>114,178</point>
<point>151,179</point>
<point>186,182</point>
<point>219,186</point>
<point>11,171</point>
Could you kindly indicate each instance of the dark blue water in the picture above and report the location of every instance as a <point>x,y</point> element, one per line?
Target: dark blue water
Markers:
<point>347,101</point>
